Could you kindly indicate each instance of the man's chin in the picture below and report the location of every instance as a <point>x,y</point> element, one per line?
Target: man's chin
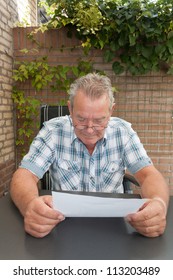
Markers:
<point>87,140</point>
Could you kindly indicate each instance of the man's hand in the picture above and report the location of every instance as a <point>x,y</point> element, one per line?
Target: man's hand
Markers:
<point>40,218</point>
<point>150,220</point>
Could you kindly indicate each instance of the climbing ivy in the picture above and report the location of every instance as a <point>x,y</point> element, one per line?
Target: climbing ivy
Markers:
<point>135,36</point>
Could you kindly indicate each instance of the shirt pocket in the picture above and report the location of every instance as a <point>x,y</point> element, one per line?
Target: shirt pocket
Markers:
<point>68,174</point>
<point>112,176</point>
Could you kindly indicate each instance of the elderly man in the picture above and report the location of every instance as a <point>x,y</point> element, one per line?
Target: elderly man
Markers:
<point>88,151</point>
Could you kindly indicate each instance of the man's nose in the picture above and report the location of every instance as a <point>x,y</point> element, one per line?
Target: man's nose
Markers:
<point>90,123</point>
<point>90,129</point>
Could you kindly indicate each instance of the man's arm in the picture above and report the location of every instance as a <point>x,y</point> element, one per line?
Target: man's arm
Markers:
<point>39,216</point>
<point>150,220</point>
<point>153,185</point>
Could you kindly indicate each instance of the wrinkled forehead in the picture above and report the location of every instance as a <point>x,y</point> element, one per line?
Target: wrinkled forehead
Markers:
<point>85,107</point>
<point>83,100</point>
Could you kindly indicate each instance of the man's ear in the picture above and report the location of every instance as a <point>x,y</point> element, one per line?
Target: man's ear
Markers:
<point>69,106</point>
<point>113,108</point>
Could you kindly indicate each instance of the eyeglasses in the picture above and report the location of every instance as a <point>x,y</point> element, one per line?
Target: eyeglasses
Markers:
<point>96,128</point>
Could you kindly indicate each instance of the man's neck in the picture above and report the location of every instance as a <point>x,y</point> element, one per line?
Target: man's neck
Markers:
<point>90,148</point>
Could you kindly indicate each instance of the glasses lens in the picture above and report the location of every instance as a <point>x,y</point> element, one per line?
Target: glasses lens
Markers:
<point>98,128</point>
<point>81,127</point>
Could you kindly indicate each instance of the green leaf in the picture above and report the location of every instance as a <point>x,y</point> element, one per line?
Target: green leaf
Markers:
<point>114,45</point>
<point>159,49</point>
<point>24,51</point>
<point>170,34</point>
<point>133,70</point>
<point>170,71</point>
<point>39,86</point>
<point>132,39</point>
<point>117,68</point>
<point>75,71</point>
<point>122,39</point>
<point>170,46</point>
<point>147,51</point>
<point>108,56</point>
<point>101,43</point>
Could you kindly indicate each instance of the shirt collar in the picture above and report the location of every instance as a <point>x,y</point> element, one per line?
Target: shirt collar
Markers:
<point>73,135</point>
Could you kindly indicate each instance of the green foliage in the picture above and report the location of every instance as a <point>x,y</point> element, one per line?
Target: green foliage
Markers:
<point>38,71</point>
<point>40,75</point>
<point>27,108</point>
<point>136,35</point>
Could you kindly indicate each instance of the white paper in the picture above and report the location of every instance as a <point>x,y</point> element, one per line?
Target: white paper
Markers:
<point>77,205</point>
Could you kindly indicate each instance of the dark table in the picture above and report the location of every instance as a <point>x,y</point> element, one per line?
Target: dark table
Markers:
<point>81,238</point>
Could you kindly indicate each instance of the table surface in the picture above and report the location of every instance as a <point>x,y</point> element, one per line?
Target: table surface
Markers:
<point>81,238</point>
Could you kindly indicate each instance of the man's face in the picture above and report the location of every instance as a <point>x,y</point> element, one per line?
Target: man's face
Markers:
<point>87,114</point>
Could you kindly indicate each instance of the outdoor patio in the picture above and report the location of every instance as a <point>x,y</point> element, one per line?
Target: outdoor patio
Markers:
<point>144,100</point>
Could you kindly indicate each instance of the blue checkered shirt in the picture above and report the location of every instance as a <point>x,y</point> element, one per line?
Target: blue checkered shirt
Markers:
<point>56,148</point>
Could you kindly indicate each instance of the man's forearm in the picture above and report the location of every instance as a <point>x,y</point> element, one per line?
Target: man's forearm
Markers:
<point>23,188</point>
<point>153,185</point>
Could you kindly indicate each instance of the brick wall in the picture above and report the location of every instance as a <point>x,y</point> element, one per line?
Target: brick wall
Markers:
<point>146,101</point>
<point>9,15</point>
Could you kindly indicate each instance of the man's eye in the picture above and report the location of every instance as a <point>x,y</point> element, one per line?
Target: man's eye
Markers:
<point>81,120</point>
<point>99,121</point>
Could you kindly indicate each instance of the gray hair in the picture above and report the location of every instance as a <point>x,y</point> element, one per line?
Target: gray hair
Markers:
<point>94,86</point>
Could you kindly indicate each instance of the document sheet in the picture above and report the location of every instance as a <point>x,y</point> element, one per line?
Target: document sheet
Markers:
<point>77,205</point>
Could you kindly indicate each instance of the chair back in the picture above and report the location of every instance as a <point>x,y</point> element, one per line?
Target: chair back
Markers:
<point>48,112</point>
